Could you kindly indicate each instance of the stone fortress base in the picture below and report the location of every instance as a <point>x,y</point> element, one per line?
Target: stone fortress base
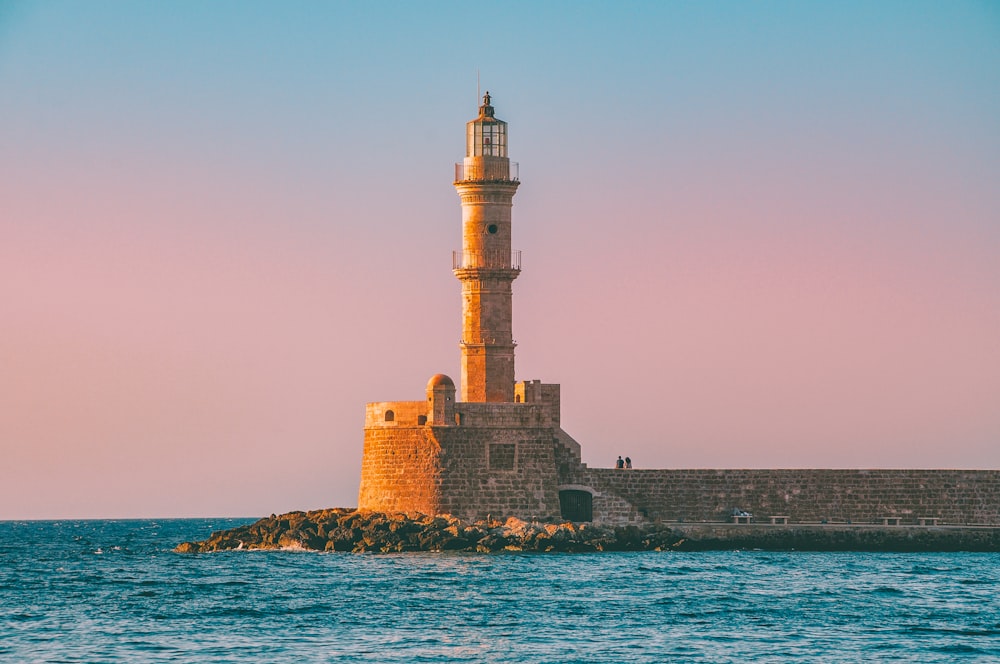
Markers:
<point>476,460</point>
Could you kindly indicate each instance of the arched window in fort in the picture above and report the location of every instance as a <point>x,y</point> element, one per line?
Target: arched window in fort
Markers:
<point>390,416</point>
<point>576,505</point>
<point>421,420</point>
<point>517,398</point>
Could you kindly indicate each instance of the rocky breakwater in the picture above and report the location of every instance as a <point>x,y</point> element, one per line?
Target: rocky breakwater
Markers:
<point>351,530</point>
<point>378,532</point>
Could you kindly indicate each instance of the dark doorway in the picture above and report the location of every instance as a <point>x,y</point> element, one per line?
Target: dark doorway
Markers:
<point>576,505</point>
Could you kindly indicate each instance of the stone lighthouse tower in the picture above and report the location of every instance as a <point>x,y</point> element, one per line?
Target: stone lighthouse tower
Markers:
<point>486,181</point>
<point>499,448</point>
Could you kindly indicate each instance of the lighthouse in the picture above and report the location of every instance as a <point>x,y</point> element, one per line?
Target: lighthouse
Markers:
<point>486,181</point>
<point>495,447</point>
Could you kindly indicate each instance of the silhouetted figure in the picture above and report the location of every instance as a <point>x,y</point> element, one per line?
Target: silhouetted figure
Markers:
<point>628,462</point>
<point>620,463</point>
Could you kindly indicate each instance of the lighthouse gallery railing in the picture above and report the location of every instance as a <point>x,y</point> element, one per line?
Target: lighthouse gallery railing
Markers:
<point>486,258</point>
<point>490,171</point>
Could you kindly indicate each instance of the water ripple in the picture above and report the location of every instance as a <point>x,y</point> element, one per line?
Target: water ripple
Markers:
<point>138,601</point>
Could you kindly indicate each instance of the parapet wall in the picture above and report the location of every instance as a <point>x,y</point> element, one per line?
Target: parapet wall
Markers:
<point>396,413</point>
<point>968,497</point>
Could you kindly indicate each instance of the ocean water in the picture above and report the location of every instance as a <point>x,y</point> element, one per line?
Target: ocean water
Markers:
<point>112,591</point>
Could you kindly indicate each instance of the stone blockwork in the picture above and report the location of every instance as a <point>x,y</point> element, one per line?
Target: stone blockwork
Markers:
<point>467,459</point>
<point>468,471</point>
<point>966,497</point>
<point>401,470</point>
<point>474,485</point>
<point>472,460</point>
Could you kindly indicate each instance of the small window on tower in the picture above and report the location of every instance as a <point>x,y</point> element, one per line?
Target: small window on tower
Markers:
<point>390,416</point>
<point>492,229</point>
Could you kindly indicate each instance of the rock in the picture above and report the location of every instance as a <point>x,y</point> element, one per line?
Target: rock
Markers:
<point>341,530</point>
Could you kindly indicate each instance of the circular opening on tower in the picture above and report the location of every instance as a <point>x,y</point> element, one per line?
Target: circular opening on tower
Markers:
<point>492,229</point>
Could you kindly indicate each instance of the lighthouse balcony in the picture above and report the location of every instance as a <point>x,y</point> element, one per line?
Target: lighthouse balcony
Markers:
<point>491,259</point>
<point>499,170</point>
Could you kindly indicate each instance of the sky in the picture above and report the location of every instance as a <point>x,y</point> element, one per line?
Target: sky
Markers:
<point>753,235</point>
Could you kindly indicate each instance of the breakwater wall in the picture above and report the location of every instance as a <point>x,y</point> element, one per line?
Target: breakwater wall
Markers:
<point>959,497</point>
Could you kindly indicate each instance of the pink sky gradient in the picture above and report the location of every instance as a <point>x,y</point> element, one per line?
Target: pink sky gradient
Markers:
<point>753,236</point>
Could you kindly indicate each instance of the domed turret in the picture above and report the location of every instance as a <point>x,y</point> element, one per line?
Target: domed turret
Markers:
<point>439,380</point>
<point>440,400</point>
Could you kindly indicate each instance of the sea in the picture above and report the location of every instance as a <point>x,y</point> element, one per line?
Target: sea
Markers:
<point>113,591</point>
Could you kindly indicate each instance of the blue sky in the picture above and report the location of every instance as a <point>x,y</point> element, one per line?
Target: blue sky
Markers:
<point>753,234</point>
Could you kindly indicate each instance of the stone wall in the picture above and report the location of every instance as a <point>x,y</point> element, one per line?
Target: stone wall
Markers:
<point>498,472</point>
<point>490,459</point>
<point>512,459</point>
<point>508,460</point>
<point>395,413</point>
<point>400,470</point>
<point>804,496</point>
<point>502,415</point>
<point>467,471</point>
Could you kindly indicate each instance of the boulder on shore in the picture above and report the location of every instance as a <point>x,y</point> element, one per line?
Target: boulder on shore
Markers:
<point>341,529</point>
<point>350,530</point>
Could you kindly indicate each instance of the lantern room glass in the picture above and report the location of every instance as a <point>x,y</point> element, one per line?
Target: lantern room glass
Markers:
<point>486,138</point>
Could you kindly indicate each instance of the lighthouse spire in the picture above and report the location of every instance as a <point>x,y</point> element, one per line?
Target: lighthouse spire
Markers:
<point>486,181</point>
